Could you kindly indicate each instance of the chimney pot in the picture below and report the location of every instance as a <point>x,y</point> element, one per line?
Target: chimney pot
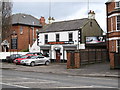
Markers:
<point>42,21</point>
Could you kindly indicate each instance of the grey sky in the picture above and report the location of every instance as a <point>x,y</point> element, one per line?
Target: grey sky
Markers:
<point>63,10</point>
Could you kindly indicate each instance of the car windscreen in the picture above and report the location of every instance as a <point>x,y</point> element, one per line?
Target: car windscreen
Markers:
<point>23,56</point>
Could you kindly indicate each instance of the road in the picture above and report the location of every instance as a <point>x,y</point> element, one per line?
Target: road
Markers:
<point>19,79</point>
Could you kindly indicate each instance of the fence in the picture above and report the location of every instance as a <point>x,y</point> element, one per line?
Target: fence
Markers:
<point>87,56</point>
<point>4,54</point>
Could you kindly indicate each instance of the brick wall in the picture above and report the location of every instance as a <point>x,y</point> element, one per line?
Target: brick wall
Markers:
<point>25,38</point>
<point>76,60</point>
<point>111,24</point>
<point>112,61</point>
<point>111,7</point>
<point>112,33</point>
<point>112,46</point>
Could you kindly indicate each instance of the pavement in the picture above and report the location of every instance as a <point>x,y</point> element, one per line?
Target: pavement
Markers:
<point>92,70</point>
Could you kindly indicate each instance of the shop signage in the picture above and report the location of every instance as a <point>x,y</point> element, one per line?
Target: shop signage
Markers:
<point>93,40</point>
<point>62,42</point>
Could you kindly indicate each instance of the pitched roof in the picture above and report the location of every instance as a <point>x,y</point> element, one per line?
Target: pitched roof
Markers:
<point>65,25</point>
<point>25,19</point>
<point>109,1</point>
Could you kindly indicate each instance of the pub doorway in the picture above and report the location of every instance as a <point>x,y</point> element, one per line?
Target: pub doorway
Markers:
<point>57,55</point>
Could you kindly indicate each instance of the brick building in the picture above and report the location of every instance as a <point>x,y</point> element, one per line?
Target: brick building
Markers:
<point>23,32</point>
<point>113,32</point>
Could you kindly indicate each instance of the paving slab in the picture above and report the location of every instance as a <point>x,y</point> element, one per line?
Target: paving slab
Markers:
<point>93,70</point>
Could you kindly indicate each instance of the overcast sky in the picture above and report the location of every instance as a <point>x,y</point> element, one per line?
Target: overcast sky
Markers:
<point>63,10</point>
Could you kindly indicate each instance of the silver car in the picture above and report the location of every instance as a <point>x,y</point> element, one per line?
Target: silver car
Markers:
<point>36,60</point>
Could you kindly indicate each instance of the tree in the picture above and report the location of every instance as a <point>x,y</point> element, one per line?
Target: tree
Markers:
<point>5,20</point>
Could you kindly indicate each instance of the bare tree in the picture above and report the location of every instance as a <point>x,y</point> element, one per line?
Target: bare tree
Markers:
<point>5,20</point>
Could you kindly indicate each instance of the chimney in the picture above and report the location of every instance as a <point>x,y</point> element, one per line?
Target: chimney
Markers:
<point>42,21</point>
<point>91,15</point>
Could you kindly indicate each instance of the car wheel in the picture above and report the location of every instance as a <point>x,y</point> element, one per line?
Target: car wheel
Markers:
<point>47,63</point>
<point>32,64</point>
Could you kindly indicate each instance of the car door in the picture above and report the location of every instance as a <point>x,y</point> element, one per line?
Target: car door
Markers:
<point>41,59</point>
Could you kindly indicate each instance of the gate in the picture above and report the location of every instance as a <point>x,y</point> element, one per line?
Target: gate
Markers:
<point>117,60</point>
<point>89,56</point>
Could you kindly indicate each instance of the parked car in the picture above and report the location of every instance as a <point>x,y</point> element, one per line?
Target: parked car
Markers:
<point>12,57</point>
<point>17,61</point>
<point>34,53</point>
<point>36,60</point>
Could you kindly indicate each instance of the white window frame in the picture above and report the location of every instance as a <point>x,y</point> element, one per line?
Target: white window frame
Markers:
<point>117,45</point>
<point>116,23</point>
<point>116,4</point>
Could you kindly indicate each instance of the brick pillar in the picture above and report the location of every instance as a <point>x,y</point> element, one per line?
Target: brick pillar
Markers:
<point>76,60</point>
<point>68,60</point>
<point>112,61</point>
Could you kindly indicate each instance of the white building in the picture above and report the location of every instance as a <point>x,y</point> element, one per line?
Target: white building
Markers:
<point>59,37</point>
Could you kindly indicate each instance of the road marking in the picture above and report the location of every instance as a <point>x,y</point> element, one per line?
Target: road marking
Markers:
<point>15,85</point>
<point>92,86</point>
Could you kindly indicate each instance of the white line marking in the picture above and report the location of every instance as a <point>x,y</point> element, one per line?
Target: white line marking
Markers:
<point>14,85</point>
<point>87,87</point>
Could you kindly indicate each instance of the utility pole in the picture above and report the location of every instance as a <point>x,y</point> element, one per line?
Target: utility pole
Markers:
<point>0,25</point>
<point>50,19</point>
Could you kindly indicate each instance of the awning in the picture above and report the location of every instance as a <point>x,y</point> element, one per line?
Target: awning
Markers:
<point>57,48</point>
<point>70,47</point>
<point>45,47</point>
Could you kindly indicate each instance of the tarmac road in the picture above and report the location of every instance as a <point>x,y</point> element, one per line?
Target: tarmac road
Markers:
<point>19,79</point>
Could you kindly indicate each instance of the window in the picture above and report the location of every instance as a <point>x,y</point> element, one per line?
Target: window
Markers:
<point>57,37</point>
<point>21,30</point>
<point>118,4</point>
<point>70,36</point>
<point>46,39</point>
<point>118,22</point>
<point>14,43</point>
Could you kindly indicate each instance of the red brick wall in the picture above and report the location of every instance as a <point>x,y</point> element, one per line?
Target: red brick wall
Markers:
<point>111,7</point>
<point>112,46</point>
<point>112,24</point>
<point>112,50</point>
<point>109,24</point>
<point>76,60</point>
<point>23,39</point>
<point>114,34</point>
<point>112,61</point>
<point>111,43</point>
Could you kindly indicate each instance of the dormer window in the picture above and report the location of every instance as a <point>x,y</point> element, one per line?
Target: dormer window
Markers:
<point>118,4</point>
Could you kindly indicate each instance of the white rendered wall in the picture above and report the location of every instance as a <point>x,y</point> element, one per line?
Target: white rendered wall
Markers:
<point>63,36</point>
